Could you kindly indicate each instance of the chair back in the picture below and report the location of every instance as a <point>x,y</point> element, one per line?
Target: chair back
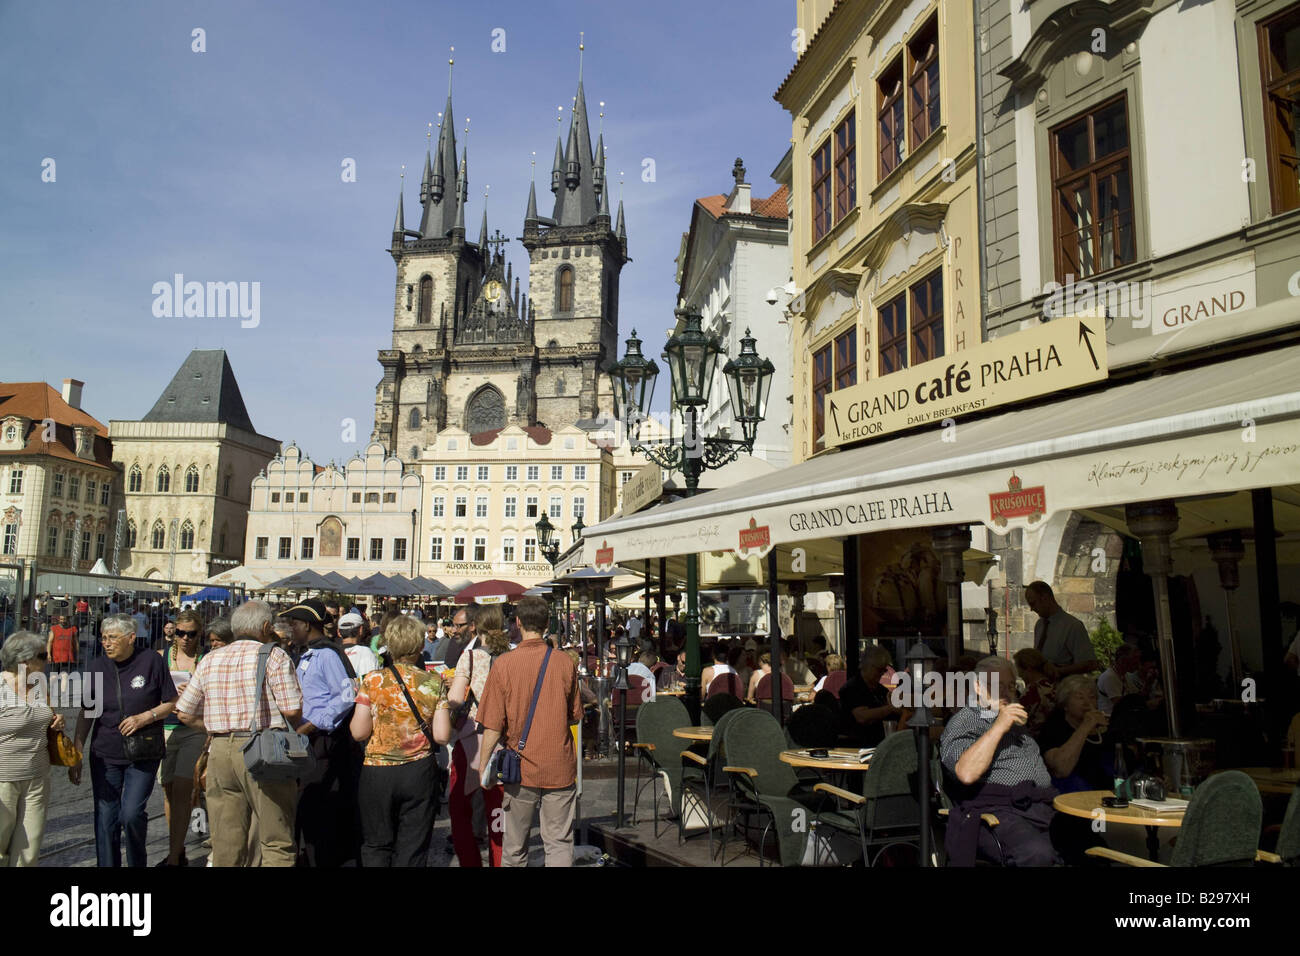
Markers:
<point>890,784</point>
<point>655,724</point>
<point>717,705</point>
<point>717,749</point>
<point>813,726</point>
<point>764,689</point>
<point>728,683</point>
<point>657,666</point>
<point>757,742</point>
<point>1288,841</point>
<point>834,681</point>
<point>1221,823</point>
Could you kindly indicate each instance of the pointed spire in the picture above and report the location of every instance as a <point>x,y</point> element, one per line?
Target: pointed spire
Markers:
<point>604,205</point>
<point>432,190</point>
<point>598,167</point>
<point>399,224</point>
<point>530,216</point>
<point>572,164</point>
<point>619,229</point>
<point>462,185</point>
<point>442,204</point>
<point>577,205</point>
<point>557,170</point>
<point>482,232</point>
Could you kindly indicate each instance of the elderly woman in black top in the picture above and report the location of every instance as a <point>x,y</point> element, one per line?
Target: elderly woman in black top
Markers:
<point>134,691</point>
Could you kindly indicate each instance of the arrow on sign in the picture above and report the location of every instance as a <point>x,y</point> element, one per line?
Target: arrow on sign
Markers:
<point>1084,332</point>
<point>835,417</point>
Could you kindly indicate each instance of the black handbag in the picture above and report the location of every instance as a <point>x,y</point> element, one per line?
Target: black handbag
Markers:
<point>440,775</point>
<point>509,764</point>
<point>145,744</point>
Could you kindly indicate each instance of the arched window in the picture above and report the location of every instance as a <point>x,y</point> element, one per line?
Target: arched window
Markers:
<point>415,453</point>
<point>221,538</point>
<point>225,484</point>
<point>159,538</point>
<point>191,480</point>
<point>164,479</point>
<point>415,418</point>
<point>485,411</point>
<point>134,480</point>
<point>564,290</point>
<point>425,314</point>
<point>187,537</point>
<point>130,533</point>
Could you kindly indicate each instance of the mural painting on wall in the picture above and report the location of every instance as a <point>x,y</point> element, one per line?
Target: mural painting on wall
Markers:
<point>900,587</point>
<point>331,538</point>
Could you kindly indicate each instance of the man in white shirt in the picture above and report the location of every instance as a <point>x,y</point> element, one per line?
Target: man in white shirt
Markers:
<point>641,668</point>
<point>634,629</point>
<point>362,658</point>
<point>1059,636</point>
<point>1120,679</point>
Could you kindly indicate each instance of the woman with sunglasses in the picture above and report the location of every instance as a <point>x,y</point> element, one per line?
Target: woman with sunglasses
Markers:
<point>184,744</point>
<point>25,718</point>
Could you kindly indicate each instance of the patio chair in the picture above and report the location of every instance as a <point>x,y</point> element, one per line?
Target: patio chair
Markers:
<point>834,681</point>
<point>728,683</point>
<point>947,783</point>
<point>1220,826</point>
<point>702,773</point>
<point>636,696</point>
<point>755,768</point>
<point>711,710</point>
<point>657,750</point>
<point>887,813</point>
<point>763,695</point>
<point>813,726</point>
<point>1287,851</point>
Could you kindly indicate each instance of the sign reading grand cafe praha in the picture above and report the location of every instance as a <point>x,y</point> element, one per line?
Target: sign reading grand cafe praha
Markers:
<point>1052,357</point>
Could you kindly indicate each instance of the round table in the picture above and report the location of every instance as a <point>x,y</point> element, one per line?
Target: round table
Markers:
<point>670,693</point>
<point>694,733</point>
<point>1086,803</point>
<point>841,758</point>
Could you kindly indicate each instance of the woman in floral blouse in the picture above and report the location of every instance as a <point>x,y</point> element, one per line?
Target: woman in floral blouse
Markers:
<point>399,773</point>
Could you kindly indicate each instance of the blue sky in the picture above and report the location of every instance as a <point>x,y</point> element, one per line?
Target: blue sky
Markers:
<point>226,165</point>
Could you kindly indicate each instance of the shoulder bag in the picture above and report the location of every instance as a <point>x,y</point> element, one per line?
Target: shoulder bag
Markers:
<point>509,767</point>
<point>275,754</point>
<point>146,744</point>
<point>460,714</point>
<point>440,775</point>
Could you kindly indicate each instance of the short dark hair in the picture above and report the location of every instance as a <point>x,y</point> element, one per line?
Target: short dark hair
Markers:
<point>533,614</point>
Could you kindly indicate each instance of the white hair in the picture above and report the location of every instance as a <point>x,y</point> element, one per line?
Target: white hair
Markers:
<point>249,618</point>
<point>118,624</point>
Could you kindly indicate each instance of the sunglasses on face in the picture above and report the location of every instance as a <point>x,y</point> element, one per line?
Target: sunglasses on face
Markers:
<point>181,633</point>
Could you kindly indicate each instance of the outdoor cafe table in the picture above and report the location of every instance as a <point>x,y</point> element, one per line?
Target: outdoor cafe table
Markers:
<point>671,693</point>
<point>1086,803</point>
<point>841,758</point>
<point>694,733</point>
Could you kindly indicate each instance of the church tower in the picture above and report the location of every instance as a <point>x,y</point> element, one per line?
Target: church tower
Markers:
<point>575,259</point>
<point>438,275</point>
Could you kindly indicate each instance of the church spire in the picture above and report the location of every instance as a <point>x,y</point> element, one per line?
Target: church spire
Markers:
<point>576,205</point>
<point>440,203</point>
<point>482,232</point>
<point>399,223</point>
<point>462,187</point>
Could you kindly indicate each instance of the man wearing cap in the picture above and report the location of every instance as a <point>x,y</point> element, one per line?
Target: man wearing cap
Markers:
<point>362,657</point>
<point>328,825</point>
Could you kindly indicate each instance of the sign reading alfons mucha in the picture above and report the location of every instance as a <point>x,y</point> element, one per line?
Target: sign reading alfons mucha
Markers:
<point>1058,355</point>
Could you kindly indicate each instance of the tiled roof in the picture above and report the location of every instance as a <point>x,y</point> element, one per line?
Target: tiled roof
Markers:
<point>821,31</point>
<point>39,401</point>
<point>540,435</point>
<point>773,207</point>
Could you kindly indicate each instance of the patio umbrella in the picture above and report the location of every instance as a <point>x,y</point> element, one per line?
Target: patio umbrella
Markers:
<point>307,580</point>
<point>337,581</point>
<point>408,588</point>
<point>432,588</point>
<point>491,592</point>
<point>378,585</point>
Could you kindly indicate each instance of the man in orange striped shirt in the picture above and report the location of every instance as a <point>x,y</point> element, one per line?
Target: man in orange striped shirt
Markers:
<point>548,761</point>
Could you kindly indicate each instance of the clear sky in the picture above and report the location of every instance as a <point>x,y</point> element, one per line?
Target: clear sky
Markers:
<point>227,165</point>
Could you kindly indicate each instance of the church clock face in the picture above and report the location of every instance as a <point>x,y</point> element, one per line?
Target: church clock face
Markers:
<point>492,291</point>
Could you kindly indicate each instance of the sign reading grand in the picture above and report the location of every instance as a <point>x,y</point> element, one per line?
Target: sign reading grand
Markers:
<point>642,489</point>
<point>1060,354</point>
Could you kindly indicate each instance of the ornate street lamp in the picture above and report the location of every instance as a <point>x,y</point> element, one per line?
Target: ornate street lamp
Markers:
<point>623,652</point>
<point>749,380</point>
<point>920,660</point>
<point>546,541</point>
<point>692,358</point>
<point>577,529</point>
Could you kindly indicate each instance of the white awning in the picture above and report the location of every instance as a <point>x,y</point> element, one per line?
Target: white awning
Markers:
<point>1226,427</point>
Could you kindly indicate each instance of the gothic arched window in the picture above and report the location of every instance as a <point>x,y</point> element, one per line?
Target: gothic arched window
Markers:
<point>564,290</point>
<point>159,538</point>
<point>134,481</point>
<point>191,480</point>
<point>415,418</point>
<point>164,480</point>
<point>187,536</point>
<point>130,533</point>
<point>425,314</point>
<point>485,411</point>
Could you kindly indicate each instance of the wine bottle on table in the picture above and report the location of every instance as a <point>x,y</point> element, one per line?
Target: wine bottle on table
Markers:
<point>1121,772</point>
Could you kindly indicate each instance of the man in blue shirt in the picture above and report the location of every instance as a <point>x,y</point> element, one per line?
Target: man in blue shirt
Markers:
<point>328,824</point>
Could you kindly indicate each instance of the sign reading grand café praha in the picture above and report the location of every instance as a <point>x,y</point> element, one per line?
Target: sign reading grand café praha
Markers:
<point>1055,356</point>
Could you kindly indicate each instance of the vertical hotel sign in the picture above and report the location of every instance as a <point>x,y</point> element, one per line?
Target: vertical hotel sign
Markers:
<point>1051,357</point>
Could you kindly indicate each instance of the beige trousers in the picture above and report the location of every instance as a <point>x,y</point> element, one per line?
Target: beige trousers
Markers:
<point>556,810</point>
<point>238,804</point>
<point>22,820</point>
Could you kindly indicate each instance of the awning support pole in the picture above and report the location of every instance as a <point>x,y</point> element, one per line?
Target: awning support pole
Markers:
<point>774,638</point>
<point>952,542</point>
<point>663,607</point>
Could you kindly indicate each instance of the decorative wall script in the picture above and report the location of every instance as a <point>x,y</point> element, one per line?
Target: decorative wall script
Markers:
<point>1188,467</point>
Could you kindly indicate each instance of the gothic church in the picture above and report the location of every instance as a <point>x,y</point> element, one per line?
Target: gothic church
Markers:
<point>470,350</point>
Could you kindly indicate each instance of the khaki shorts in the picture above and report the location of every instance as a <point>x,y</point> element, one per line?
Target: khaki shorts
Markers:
<point>184,744</point>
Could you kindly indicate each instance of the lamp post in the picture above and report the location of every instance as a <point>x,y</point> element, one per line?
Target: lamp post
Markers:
<point>549,547</point>
<point>919,661</point>
<point>692,358</point>
<point>623,649</point>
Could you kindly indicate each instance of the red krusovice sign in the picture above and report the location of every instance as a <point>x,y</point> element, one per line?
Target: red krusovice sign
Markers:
<point>1018,502</point>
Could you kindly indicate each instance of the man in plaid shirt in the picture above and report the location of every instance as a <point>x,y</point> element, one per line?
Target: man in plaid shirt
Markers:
<point>220,698</point>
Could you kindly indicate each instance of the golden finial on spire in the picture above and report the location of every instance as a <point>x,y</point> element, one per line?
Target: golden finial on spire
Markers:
<point>559,115</point>
<point>402,177</point>
<point>581,47</point>
<point>600,128</point>
<point>428,136</point>
<point>451,62</point>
